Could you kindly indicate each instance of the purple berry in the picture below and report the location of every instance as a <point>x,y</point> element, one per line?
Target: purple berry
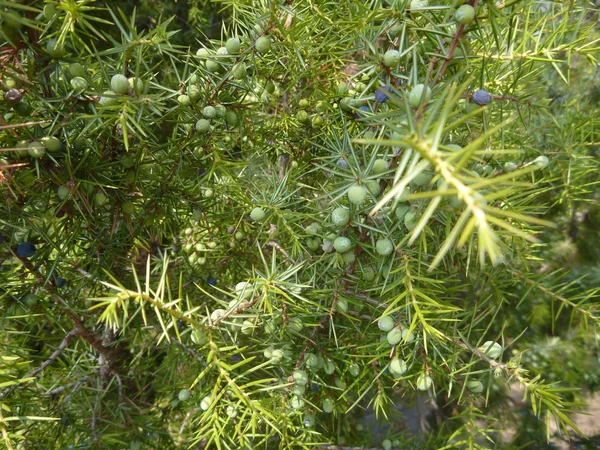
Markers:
<point>381,93</point>
<point>25,250</point>
<point>60,282</point>
<point>342,163</point>
<point>481,97</point>
<point>212,281</point>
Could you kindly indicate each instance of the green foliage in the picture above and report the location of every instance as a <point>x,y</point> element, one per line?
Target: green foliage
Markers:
<point>254,240</point>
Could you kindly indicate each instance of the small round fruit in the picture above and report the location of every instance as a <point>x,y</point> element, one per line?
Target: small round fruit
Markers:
<point>233,46</point>
<point>386,323</point>
<point>184,100</point>
<point>418,4</point>
<point>300,377</point>
<point>391,58</point>
<point>311,359</point>
<point>313,229</point>
<point>491,349</point>
<point>79,84</point>
<point>203,126</point>
<point>36,149</point>
<point>340,216</point>
<point>384,247</point>
<point>231,118</point>
<point>422,179</point>
<point>481,97</point>
<point>401,211</point>
<point>52,143</point>
<point>199,337</point>
<point>342,244</point>
<point>184,395</point>
<point>380,166</point>
<point>77,70</point>
<point>136,85</point>
<point>419,94</point>
<point>341,88</point>
<point>55,50</point>
<point>231,411</point>
<point>327,405</point>
<point>244,289</point>
<point>329,367</point>
<point>475,386</point>
<point>410,220</point>
<point>396,31</point>
<point>109,98</point>
<point>217,314</point>
<point>119,84</point>
<point>510,166</point>
<point>341,305</point>
<point>205,403</point>
<point>541,161</point>
<point>309,420</point>
<point>312,244</point>
<point>49,11</point>
<point>407,336</point>
<point>424,382</point>
<point>348,257</point>
<point>63,192</point>
<point>295,324</point>
<point>258,214</point>
<point>465,14</point>
<point>357,194</point>
<point>297,402</point>
<point>209,112</point>
<point>100,199</point>
<point>354,369</point>
<point>368,273</point>
<point>394,336</point>
<point>128,207</point>
<point>386,444</point>
<point>208,193</point>
<point>25,249</point>
<point>373,187</point>
<point>263,44</point>
<point>268,352</point>
<point>398,367</point>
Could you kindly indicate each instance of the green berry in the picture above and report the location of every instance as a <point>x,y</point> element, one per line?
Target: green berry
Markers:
<point>119,84</point>
<point>263,44</point>
<point>386,323</point>
<point>313,229</point>
<point>410,221</point>
<point>368,273</point>
<point>396,31</point>
<point>407,336</point>
<point>391,58</point>
<point>541,161</point>
<point>418,4</point>
<point>258,214</point>
<point>309,420</point>
<point>205,403</point>
<point>100,198</point>
<point>49,11</point>
<point>77,70</point>
<point>209,112</point>
<point>184,395</point>
<point>419,94</point>
<point>386,444</point>
<point>295,324</point>
<point>384,247</point>
<point>109,98</point>
<point>340,216</point>
<point>510,166</point>
<point>401,211</point>
<point>184,100</point>
<point>312,244</point>
<point>300,377</point>
<point>136,85</point>
<point>348,257</point>
<point>373,187</point>
<point>398,367</point>
<point>329,367</point>
<point>297,402</point>
<point>491,349</point>
<point>465,14</point>
<point>354,369</point>
<point>239,71</point>
<point>394,336</point>
<point>203,126</point>
<point>79,84</point>
<point>233,46</point>
<point>422,179</point>
<point>231,118</point>
<point>128,207</point>
<point>55,50</point>
<point>311,359</point>
<point>327,405</point>
<point>231,411</point>
<point>36,149</point>
<point>63,192</point>
<point>424,382</point>
<point>341,88</point>
<point>52,143</point>
<point>341,305</point>
<point>357,194</point>
<point>342,244</point>
<point>475,386</point>
<point>380,166</point>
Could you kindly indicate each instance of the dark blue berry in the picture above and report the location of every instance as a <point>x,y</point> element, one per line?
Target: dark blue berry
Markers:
<point>212,281</point>
<point>1,239</point>
<point>381,94</point>
<point>60,282</point>
<point>361,111</point>
<point>342,163</point>
<point>25,250</point>
<point>481,97</point>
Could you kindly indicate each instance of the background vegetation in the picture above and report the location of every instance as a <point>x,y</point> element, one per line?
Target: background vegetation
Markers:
<point>160,309</point>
